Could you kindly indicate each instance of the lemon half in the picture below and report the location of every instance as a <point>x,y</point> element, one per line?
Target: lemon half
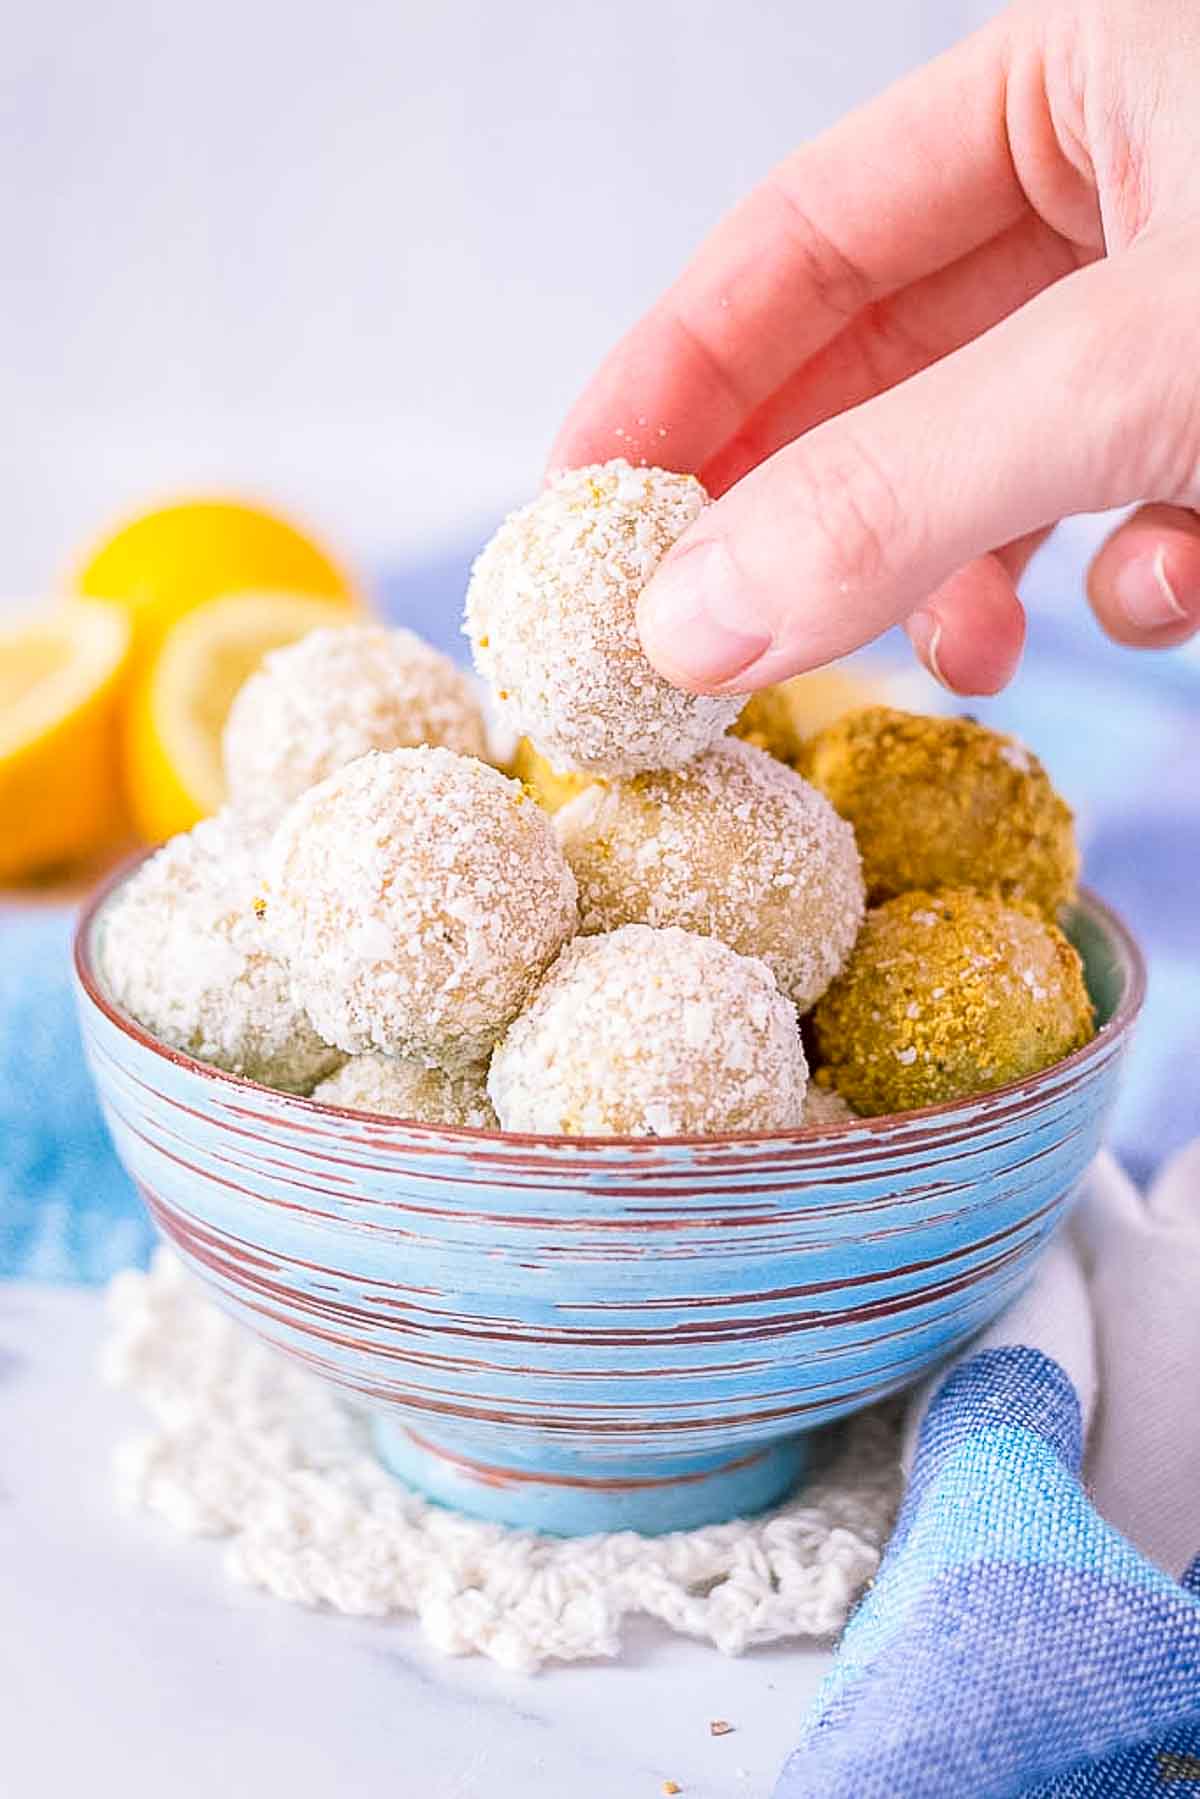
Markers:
<point>163,563</point>
<point>181,699</point>
<point>61,680</point>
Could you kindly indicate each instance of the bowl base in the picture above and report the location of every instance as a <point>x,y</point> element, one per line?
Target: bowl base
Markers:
<point>651,1494</point>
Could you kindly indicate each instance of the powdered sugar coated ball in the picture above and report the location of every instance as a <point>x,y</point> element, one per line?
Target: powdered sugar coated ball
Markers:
<point>551,614</point>
<point>320,702</point>
<point>736,846</point>
<point>398,1087</point>
<point>417,896</point>
<point>184,950</point>
<point>651,1033</point>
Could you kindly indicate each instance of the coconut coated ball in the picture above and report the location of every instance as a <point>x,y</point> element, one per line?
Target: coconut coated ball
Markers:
<point>397,1087</point>
<point>945,802</point>
<point>551,614</point>
<point>651,1033</point>
<point>320,702</point>
<point>184,950</point>
<point>946,995</point>
<point>823,1108</point>
<point>736,846</point>
<point>417,896</point>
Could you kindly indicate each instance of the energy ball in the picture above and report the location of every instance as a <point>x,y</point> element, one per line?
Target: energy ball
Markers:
<point>651,1033</point>
<point>417,897</point>
<point>184,950</point>
<point>782,718</point>
<point>946,995</point>
<point>398,1087</point>
<point>550,789</point>
<point>944,802</point>
<point>824,1108</point>
<point>320,702</point>
<point>734,846</point>
<point>551,614</point>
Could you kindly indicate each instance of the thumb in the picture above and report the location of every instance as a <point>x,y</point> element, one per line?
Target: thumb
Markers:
<point>1075,403</point>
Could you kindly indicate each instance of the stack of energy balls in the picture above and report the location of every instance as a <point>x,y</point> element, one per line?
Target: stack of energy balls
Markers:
<point>384,920</point>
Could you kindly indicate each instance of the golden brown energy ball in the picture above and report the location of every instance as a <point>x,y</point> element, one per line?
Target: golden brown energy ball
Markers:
<point>549,788</point>
<point>735,846</point>
<point>944,802</point>
<point>651,1034</point>
<point>318,703</point>
<point>946,995</point>
<point>552,618</point>
<point>417,897</point>
<point>781,719</point>
<point>397,1087</point>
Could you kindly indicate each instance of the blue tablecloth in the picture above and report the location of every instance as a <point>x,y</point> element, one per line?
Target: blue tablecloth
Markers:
<point>1120,734</point>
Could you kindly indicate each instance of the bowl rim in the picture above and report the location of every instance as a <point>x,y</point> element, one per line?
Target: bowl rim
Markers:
<point>1012,1096</point>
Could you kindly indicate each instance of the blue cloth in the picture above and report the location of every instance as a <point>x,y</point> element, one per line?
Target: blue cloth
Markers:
<point>67,1210</point>
<point>1012,1642</point>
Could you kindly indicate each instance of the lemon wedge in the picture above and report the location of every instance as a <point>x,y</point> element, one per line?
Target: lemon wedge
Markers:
<point>163,563</point>
<point>181,699</point>
<point>60,690</point>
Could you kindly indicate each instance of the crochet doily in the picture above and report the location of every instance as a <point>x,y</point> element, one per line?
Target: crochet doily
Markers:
<point>246,1447</point>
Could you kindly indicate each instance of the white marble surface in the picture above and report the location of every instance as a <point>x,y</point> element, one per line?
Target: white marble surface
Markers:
<point>131,1666</point>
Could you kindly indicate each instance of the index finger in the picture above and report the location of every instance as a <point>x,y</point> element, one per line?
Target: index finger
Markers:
<point>907,184</point>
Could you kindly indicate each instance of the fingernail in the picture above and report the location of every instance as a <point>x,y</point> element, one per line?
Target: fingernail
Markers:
<point>924,629</point>
<point>693,621</point>
<point>1145,595</point>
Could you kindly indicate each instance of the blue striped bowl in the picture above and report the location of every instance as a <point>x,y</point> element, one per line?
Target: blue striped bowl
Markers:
<point>582,1334</point>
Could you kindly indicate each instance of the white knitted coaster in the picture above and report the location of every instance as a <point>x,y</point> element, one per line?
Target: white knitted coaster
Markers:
<point>247,1447</point>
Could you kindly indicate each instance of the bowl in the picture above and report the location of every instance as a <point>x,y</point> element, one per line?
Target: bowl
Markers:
<point>585,1334</point>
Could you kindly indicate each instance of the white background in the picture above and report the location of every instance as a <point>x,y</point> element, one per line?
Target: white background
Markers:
<point>359,257</point>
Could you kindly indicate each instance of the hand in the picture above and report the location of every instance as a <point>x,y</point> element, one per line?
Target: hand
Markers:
<point>968,310</point>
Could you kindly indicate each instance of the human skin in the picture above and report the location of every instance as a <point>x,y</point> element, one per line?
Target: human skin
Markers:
<point>965,312</point>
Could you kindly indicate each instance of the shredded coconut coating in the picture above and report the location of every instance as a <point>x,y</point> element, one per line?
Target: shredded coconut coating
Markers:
<point>947,995</point>
<point>823,1107</point>
<point>417,897</point>
<point>654,1033</point>
<point>946,802</point>
<point>184,950</point>
<point>734,846</point>
<point>317,704</point>
<point>397,1087</point>
<point>552,618</point>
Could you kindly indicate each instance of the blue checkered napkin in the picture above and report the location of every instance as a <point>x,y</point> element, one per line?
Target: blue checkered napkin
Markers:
<point>1014,1642</point>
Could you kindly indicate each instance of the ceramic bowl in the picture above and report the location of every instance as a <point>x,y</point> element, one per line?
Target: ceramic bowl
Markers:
<point>582,1334</point>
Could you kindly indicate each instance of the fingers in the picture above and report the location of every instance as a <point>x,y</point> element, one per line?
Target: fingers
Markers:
<point>897,337</point>
<point>971,632</point>
<point>909,183</point>
<point>1144,584</point>
<point>1072,404</point>
<point>1017,555</point>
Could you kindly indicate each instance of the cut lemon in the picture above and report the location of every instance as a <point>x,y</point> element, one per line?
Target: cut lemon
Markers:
<point>161,565</point>
<point>60,690</point>
<point>181,699</point>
